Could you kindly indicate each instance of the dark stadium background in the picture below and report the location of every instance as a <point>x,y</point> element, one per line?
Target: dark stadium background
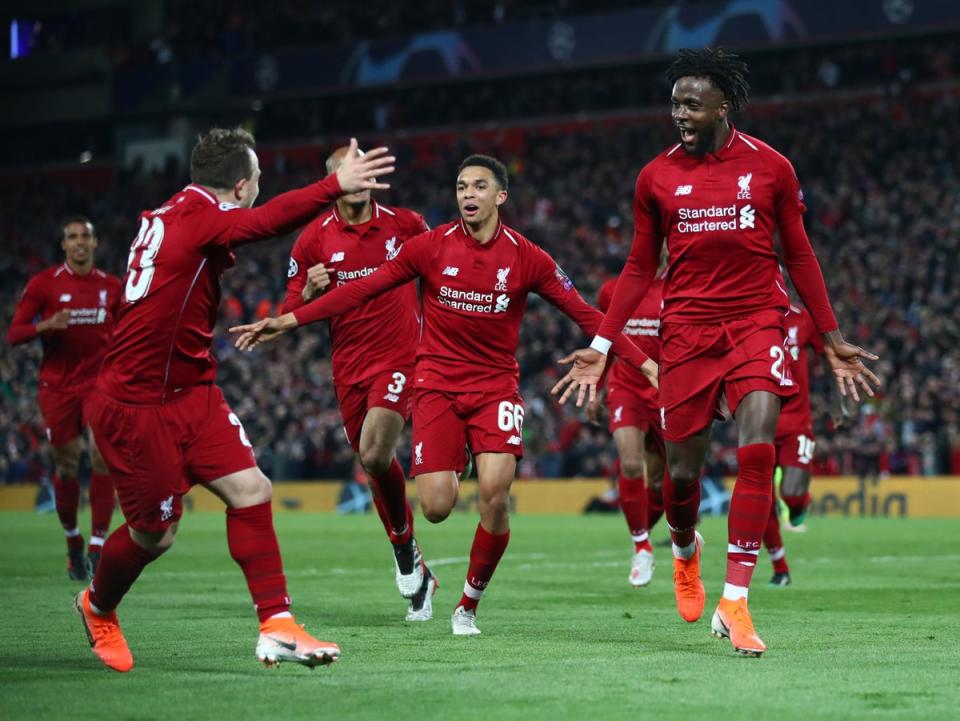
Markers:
<point>103,99</point>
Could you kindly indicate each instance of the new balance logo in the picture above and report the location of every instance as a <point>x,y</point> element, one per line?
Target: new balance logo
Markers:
<point>392,397</point>
<point>684,190</point>
<point>418,453</point>
<point>336,257</point>
<point>450,270</point>
<point>744,183</point>
<point>65,298</point>
<point>513,441</point>
<point>747,217</point>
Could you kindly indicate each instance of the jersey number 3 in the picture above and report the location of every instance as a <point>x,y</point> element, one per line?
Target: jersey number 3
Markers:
<point>142,254</point>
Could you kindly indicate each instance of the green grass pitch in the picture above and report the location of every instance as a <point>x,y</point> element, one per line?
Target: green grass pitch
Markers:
<point>869,630</point>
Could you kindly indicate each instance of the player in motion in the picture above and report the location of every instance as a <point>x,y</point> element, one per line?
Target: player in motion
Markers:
<point>717,197</point>
<point>159,419</point>
<point>373,357</point>
<point>475,276</point>
<point>634,412</point>
<point>72,308</point>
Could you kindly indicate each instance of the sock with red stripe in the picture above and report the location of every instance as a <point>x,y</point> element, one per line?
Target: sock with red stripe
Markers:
<point>67,498</point>
<point>485,554</point>
<point>121,562</point>
<point>101,508</point>
<point>773,542</point>
<point>681,504</point>
<point>748,516</point>
<point>633,502</point>
<point>390,500</point>
<point>253,545</point>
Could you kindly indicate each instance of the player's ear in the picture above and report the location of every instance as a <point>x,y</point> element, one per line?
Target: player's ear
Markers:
<point>501,198</point>
<point>723,109</point>
<point>239,188</point>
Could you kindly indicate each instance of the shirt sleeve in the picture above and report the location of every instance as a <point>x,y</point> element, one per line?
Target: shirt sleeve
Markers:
<point>641,266</point>
<point>814,339</point>
<point>30,306</point>
<point>230,226</point>
<point>798,254</point>
<point>297,270</point>
<point>405,266</point>
<point>554,286</point>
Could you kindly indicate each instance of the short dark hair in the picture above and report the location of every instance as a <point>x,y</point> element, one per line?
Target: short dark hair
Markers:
<point>78,219</point>
<point>220,158</point>
<point>726,71</point>
<point>498,169</point>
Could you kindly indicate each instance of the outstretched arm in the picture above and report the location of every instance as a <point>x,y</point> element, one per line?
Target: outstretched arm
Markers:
<point>237,226</point>
<point>22,327</point>
<point>405,267</point>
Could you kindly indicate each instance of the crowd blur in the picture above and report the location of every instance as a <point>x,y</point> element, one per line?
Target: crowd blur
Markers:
<point>883,192</point>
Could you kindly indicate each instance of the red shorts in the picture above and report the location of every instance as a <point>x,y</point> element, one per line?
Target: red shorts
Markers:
<point>445,423</point>
<point>155,453</point>
<point>700,362</point>
<point>795,448</point>
<point>63,412</point>
<point>390,390</point>
<point>628,410</point>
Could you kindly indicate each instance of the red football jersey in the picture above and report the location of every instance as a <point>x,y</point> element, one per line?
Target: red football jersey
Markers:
<point>800,335</point>
<point>161,345</point>
<point>718,214</point>
<point>643,328</point>
<point>381,334</point>
<point>474,296</point>
<point>71,357</point>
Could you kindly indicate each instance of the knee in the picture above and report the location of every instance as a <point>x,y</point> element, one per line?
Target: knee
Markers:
<point>631,466</point>
<point>682,474</point>
<point>375,459</point>
<point>435,512</point>
<point>156,543</point>
<point>68,468</point>
<point>496,505</point>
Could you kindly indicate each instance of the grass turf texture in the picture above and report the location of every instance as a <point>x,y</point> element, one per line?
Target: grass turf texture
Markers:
<point>868,630</point>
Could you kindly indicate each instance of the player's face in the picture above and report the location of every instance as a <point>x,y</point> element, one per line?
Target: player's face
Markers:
<point>699,111</point>
<point>79,242</point>
<point>361,197</point>
<point>248,189</point>
<point>478,194</point>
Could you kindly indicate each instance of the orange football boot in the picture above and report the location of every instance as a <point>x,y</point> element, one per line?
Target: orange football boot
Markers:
<point>687,586</point>
<point>103,631</point>
<point>283,639</point>
<point>732,620</point>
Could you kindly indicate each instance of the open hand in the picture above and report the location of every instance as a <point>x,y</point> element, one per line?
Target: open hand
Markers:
<point>263,331</point>
<point>588,365</point>
<point>846,361</point>
<point>360,172</point>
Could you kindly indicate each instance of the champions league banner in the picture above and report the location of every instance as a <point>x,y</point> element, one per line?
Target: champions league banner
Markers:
<point>620,37</point>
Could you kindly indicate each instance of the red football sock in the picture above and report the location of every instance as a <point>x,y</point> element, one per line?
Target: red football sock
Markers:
<point>654,506</point>
<point>749,514</point>
<point>101,507</point>
<point>797,504</point>
<point>253,545</point>
<point>773,542</point>
<point>121,562</point>
<point>485,554</point>
<point>390,499</point>
<point>633,502</point>
<point>682,507</point>
<point>67,498</point>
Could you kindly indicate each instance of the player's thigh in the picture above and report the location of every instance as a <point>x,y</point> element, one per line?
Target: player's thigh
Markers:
<point>143,452</point>
<point>654,463</point>
<point>630,442</point>
<point>352,401</point>
<point>379,434</point>
<point>495,474</point>
<point>756,415</point>
<point>685,458</point>
<point>693,363</point>
<point>437,493</point>
<point>97,463</point>
<point>439,434</point>
<point>62,413</point>
<point>759,364</point>
<point>218,452</point>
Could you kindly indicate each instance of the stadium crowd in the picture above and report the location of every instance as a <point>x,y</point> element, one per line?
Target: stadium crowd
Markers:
<point>883,195</point>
